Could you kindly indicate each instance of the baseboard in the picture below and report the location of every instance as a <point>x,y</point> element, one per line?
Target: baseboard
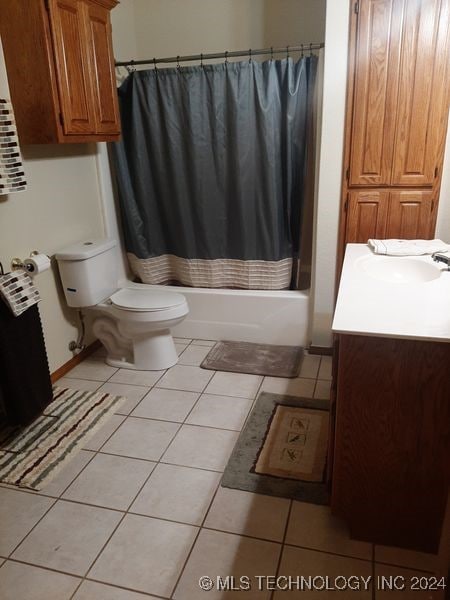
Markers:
<point>74,361</point>
<point>323,350</point>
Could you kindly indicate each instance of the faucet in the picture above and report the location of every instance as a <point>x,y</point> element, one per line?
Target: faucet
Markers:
<point>437,257</point>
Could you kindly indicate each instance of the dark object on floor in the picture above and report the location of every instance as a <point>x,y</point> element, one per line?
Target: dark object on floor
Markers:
<point>257,359</point>
<point>25,386</point>
<point>31,456</point>
<point>240,471</point>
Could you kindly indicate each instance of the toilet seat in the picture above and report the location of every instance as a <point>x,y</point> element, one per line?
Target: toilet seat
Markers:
<point>132,299</point>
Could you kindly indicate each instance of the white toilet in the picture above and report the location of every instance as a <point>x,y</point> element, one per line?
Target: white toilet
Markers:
<point>132,322</point>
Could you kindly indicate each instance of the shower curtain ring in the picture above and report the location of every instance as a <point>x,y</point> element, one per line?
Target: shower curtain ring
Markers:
<point>178,62</point>
<point>250,55</point>
<point>132,67</point>
<point>271,53</point>
<point>201,60</point>
<point>310,50</point>
<point>154,64</point>
<point>287,51</point>
<point>303,52</point>
<point>226,57</point>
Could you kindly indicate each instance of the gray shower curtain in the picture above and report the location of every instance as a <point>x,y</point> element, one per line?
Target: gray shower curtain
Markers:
<point>211,171</point>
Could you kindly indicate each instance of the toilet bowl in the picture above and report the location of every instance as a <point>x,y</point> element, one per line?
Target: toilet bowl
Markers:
<point>134,326</point>
<point>133,322</point>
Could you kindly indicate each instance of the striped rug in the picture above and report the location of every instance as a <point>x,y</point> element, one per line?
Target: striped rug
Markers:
<point>31,456</point>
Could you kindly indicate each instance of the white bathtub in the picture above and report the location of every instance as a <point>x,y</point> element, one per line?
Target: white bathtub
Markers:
<point>271,317</point>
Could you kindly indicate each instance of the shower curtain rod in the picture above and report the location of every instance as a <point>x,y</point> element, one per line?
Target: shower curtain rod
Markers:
<point>226,55</point>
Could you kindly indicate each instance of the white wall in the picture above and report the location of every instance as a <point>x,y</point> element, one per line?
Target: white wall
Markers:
<point>294,21</point>
<point>60,206</point>
<point>443,220</point>
<point>330,169</point>
<point>174,27</point>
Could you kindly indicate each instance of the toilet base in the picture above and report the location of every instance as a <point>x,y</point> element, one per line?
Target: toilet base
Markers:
<point>154,352</point>
<point>130,345</point>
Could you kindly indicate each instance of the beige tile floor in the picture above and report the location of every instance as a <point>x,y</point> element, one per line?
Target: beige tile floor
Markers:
<point>139,512</point>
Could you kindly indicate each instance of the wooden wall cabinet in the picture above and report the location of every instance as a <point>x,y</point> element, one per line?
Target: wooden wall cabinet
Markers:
<point>60,67</point>
<point>397,110</point>
<point>385,214</point>
<point>391,437</point>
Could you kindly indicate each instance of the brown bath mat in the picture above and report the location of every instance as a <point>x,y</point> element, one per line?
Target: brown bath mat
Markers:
<point>295,445</point>
<point>267,458</point>
<point>256,359</point>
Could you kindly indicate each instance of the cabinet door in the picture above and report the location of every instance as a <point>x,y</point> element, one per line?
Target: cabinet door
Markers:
<point>375,91</point>
<point>366,216</point>
<point>410,215</point>
<point>422,99</point>
<point>72,65</point>
<point>102,67</point>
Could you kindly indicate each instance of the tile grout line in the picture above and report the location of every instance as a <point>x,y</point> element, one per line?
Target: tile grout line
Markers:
<point>125,513</point>
<point>85,578</point>
<point>200,528</point>
<point>58,498</point>
<point>98,451</point>
<point>280,558</point>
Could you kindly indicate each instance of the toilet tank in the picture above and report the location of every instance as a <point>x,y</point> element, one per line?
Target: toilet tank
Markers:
<point>89,271</point>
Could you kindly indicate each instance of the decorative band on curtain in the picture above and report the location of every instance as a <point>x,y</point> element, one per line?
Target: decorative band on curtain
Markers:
<point>219,273</point>
<point>212,171</point>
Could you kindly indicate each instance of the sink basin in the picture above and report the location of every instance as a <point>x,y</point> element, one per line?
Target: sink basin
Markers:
<point>398,269</point>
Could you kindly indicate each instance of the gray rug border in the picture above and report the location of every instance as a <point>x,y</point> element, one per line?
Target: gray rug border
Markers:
<point>238,474</point>
<point>210,361</point>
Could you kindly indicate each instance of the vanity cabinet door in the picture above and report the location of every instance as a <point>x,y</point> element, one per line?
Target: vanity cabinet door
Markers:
<point>367,212</point>
<point>410,215</point>
<point>72,66</point>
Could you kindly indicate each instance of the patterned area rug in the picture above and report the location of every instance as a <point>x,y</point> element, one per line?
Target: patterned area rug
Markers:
<point>32,455</point>
<point>240,472</point>
<point>256,359</point>
<point>296,443</point>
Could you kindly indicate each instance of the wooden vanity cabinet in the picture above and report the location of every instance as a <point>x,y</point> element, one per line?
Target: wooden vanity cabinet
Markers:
<point>60,67</point>
<point>397,109</point>
<point>391,457</point>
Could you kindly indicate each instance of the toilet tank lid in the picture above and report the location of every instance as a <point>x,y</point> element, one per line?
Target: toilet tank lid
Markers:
<point>86,249</point>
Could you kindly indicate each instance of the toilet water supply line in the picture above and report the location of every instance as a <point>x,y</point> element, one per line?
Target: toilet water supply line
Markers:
<point>79,344</point>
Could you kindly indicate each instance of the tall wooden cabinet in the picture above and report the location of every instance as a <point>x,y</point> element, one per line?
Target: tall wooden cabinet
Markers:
<point>397,109</point>
<point>60,67</point>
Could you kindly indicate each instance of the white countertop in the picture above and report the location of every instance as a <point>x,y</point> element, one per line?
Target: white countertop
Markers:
<point>368,305</point>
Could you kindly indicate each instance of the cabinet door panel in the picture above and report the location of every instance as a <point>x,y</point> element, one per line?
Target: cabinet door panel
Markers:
<point>104,84</point>
<point>72,65</point>
<point>410,215</point>
<point>367,216</point>
<point>422,90</point>
<point>375,91</point>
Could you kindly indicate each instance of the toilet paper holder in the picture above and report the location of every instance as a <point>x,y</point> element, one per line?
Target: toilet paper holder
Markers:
<point>18,263</point>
